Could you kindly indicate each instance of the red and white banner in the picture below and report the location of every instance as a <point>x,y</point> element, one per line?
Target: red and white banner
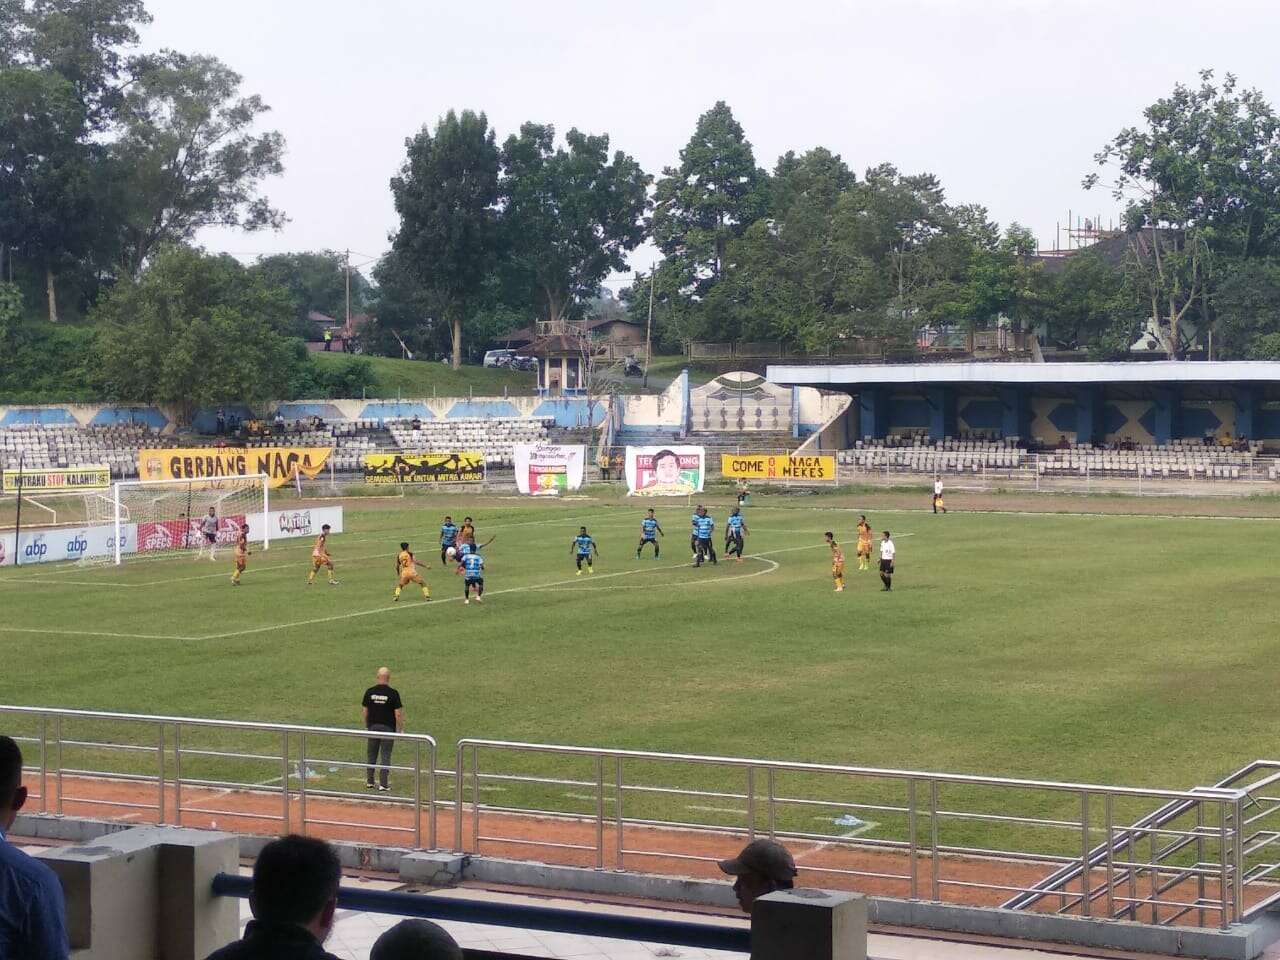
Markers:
<point>182,534</point>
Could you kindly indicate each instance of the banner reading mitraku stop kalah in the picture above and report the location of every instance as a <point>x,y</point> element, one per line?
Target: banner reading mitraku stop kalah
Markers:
<point>665,471</point>
<point>547,469</point>
<point>57,479</point>
<point>213,464</point>
<point>464,467</point>
<point>781,466</point>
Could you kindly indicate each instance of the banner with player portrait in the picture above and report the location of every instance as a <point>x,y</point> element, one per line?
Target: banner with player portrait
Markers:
<point>548,469</point>
<point>665,471</point>
<point>57,479</point>
<point>779,466</point>
<point>281,464</point>
<point>465,467</point>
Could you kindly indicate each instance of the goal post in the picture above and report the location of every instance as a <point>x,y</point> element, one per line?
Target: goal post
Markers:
<point>166,517</point>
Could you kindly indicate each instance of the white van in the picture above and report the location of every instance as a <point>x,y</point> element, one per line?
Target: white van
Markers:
<point>499,358</point>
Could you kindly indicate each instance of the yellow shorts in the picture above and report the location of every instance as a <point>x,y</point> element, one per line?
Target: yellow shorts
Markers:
<point>837,569</point>
<point>408,578</point>
<point>241,562</point>
<point>864,548</point>
<point>318,562</point>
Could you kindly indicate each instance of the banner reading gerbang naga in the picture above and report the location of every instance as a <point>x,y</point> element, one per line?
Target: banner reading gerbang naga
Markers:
<point>50,479</point>
<point>546,469</point>
<point>465,467</point>
<point>665,471</point>
<point>779,466</point>
<point>281,464</point>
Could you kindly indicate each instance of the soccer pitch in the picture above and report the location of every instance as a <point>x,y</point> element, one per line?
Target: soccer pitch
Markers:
<point>1128,649</point>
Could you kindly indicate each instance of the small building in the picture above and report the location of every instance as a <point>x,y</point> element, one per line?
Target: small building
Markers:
<point>561,359</point>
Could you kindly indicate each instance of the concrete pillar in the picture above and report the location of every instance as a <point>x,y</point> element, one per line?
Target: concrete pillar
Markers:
<point>1168,403</point>
<point>942,412</point>
<point>1016,413</point>
<point>809,925</point>
<point>686,403</point>
<point>1089,420</point>
<point>147,892</point>
<point>795,413</point>
<point>874,413</point>
<point>1246,411</point>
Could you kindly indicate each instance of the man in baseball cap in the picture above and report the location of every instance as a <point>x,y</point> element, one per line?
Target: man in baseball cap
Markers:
<point>762,866</point>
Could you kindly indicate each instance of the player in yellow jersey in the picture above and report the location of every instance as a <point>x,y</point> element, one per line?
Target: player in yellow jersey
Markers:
<point>241,554</point>
<point>320,557</point>
<point>864,543</point>
<point>407,569</point>
<point>837,561</point>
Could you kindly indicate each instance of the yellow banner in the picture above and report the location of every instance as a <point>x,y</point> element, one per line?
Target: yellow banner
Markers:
<point>465,467</point>
<point>778,467</point>
<point>216,463</point>
<point>54,479</point>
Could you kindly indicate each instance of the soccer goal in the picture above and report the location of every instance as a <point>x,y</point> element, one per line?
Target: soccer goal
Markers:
<point>155,519</point>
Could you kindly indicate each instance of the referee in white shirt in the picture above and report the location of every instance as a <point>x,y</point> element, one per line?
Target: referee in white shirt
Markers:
<point>937,495</point>
<point>887,551</point>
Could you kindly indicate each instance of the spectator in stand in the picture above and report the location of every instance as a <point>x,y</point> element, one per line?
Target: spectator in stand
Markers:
<point>417,422</point>
<point>222,422</point>
<point>279,421</point>
<point>415,940</point>
<point>32,910</point>
<point>762,867</point>
<point>293,899</point>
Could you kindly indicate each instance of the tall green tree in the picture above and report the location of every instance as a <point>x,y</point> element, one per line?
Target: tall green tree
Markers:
<point>446,194</point>
<point>700,206</point>
<point>187,156</point>
<point>195,330</point>
<point>316,281</point>
<point>570,214</point>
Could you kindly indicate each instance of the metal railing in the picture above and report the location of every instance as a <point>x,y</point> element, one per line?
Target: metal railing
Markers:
<point>156,769</point>
<point>1204,856</point>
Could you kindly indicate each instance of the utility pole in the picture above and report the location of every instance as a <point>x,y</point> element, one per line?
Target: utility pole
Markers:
<point>648,332</point>
<point>348,273</point>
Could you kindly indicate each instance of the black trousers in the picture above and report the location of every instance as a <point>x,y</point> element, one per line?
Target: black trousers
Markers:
<point>379,751</point>
<point>705,548</point>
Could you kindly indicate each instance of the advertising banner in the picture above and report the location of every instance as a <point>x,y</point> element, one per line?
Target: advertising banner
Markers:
<point>778,466</point>
<point>547,469</point>
<point>184,534</point>
<point>466,467</point>
<point>47,546</point>
<point>215,463</point>
<point>286,524</point>
<point>57,479</point>
<point>665,471</point>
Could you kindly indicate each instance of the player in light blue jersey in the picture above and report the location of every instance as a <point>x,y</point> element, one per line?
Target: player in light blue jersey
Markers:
<point>448,538</point>
<point>472,567</point>
<point>584,550</point>
<point>703,527</point>
<point>650,530</point>
<point>734,528</point>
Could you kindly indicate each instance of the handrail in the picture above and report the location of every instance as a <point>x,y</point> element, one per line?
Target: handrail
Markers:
<point>680,933</point>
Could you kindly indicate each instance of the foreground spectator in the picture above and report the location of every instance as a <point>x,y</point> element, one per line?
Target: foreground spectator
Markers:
<point>32,911</point>
<point>294,897</point>
<point>415,940</point>
<point>762,867</point>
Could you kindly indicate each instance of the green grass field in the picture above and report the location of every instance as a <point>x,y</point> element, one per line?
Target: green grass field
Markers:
<point>1137,650</point>
<point>424,378</point>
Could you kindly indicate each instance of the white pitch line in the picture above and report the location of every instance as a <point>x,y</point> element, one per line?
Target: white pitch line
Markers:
<point>89,633</point>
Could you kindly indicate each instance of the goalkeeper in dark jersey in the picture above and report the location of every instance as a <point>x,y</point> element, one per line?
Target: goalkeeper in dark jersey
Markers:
<point>650,530</point>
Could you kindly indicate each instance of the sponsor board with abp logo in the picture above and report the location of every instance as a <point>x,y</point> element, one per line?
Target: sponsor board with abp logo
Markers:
<point>49,546</point>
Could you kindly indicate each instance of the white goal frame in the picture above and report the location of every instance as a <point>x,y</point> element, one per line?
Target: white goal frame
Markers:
<point>212,483</point>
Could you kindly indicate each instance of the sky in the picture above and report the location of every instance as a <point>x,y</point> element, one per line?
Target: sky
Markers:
<point>1007,101</point>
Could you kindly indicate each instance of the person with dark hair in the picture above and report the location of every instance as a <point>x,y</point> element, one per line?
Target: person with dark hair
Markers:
<point>762,867</point>
<point>32,908</point>
<point>293,899</point>
<point>703,546</point>
<point>887,552</point>
<point>415,940</point>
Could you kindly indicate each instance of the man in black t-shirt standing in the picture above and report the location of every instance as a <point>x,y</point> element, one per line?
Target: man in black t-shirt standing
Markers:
<point>383,712</point>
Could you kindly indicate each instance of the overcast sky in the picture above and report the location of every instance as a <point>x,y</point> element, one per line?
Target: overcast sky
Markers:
<point>1005,100</point>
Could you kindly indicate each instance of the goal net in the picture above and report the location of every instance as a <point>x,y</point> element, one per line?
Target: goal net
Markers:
<point>155,519</point>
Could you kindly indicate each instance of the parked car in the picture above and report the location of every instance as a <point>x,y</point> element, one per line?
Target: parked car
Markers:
<point>499,358</point>
<point>524,363</point>
<point>631,367</point>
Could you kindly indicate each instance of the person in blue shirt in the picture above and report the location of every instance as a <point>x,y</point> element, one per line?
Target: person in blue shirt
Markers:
<point>703,527</point>
<point>693,532</point>
<point>734,528</point>
<point>471,567</point>
<point>32,908</point>
<point>584,550</point>
<point>448,538</point>
<point>650,530</point>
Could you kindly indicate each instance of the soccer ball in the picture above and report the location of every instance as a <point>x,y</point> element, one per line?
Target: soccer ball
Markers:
<point>451,553</point>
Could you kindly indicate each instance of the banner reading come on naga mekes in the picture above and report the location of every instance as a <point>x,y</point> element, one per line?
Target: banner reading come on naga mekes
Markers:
<point>464,467</point>
<point>778,466</point>
<point>665,471</point>
<point>281,464</point>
